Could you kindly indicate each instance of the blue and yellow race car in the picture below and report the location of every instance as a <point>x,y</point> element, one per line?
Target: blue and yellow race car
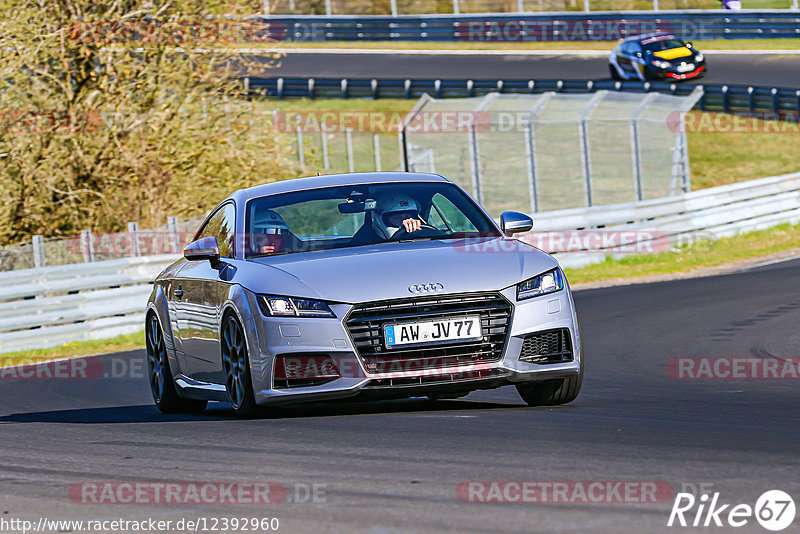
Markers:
<point>656,56</point>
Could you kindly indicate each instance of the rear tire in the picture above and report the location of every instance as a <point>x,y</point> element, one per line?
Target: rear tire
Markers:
<point>162,386</point>
<point>236,364</point>
<point>551,392</point>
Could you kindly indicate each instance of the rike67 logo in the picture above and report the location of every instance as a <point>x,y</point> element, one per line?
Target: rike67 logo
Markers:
<point>774,510</point>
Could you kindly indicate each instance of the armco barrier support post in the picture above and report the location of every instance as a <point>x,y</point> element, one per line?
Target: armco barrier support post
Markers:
<point>38,251</point>
<point>376,147</point>
<point>133,233</point>
<point>174,236</point>
<point>87,246</point>
<point>348,136</point>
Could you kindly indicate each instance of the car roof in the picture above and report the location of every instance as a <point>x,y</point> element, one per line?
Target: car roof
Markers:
<point>333,180</point>
<point>644,36</point>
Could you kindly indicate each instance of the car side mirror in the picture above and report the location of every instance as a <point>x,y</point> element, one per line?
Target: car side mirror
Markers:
<point>205,248</point>
<point>512,222</point>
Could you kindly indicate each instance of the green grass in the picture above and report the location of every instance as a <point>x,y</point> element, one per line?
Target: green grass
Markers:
<point>711,44</point>
<point>77,348</point>
<point>723,157</point>
<point>691,258</point>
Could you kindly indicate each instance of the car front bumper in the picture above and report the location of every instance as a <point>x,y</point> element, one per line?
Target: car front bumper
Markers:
<point>277,337</point>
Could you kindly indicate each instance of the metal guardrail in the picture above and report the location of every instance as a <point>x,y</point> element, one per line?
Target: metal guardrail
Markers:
<point>564,26</point>
<point>726,98</point>
<point>701,215</point>
<point>53,305</point>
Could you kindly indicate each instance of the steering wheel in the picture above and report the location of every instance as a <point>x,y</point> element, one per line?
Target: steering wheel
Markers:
<point>426,231</point>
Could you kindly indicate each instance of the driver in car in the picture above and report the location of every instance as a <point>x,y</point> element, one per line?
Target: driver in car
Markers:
<point>392,213</point>
<point>271,234</point>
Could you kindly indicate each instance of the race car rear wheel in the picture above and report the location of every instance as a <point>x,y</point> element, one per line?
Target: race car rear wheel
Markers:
<point>236,365</point>
<point>159,374</point>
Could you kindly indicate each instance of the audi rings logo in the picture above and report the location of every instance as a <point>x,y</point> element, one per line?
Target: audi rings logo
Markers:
<point>426,288</point>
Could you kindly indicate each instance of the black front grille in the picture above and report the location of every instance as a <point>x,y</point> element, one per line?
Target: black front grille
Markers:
<point>552,346</point>
<point>366,321</point>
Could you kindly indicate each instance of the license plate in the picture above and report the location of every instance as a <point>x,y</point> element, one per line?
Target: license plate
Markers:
<point>686,68</point>
<point>432,332</point>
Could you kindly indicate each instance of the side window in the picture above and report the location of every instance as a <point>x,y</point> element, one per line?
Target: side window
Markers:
<point>221,225</point>
<point>446,216</point>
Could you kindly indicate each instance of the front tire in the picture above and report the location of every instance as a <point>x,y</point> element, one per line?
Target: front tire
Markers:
<point>614,73</point>
<point>236,364</point>
<point>552,392</point>
<point>165,395</point>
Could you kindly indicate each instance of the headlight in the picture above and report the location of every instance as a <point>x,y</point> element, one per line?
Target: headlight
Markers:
<point>545,283</point>
<point>699,57</point>
<point>293,307</point>
<point>660,64</point>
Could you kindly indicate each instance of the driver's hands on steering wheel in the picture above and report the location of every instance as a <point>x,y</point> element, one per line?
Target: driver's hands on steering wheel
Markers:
<point>412,225</point>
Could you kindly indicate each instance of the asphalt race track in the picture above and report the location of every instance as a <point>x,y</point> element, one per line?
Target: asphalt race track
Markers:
<point>393,467</point>
<point>779,70</point>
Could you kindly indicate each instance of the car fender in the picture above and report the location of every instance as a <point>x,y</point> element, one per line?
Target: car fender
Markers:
<point>241,302</point>
<point>157,303</point>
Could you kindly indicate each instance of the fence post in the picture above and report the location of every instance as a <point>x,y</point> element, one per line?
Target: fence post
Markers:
<point>174,236</point>
<point>635,145</point>
<point>351,164</point>
<point>583,131</point>
<point>300,149</point>
<point>265,5</point>
<point>393,4</point>
<point>402,143</point>
<point>38,251</point>
<point>795,4</point>
<point>326,164</point>
<point>376,148</point>
<point>474,158</point>
<point>586,6</point>
<point>530,153</point>
<point>133,231</point>
<point>456,7</point>
<point>655,5</point>
<point>328,10</point>
<point>87,245</point>
<point>520,6</point>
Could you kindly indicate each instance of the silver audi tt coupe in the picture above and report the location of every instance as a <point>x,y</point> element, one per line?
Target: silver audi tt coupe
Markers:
<point>374,285</point>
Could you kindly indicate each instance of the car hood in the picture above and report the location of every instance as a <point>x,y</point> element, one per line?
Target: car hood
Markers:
<point>386,271</point>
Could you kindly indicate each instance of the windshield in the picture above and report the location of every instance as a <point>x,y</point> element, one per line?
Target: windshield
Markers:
<point>352,216</point>
<point>659,44</point>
